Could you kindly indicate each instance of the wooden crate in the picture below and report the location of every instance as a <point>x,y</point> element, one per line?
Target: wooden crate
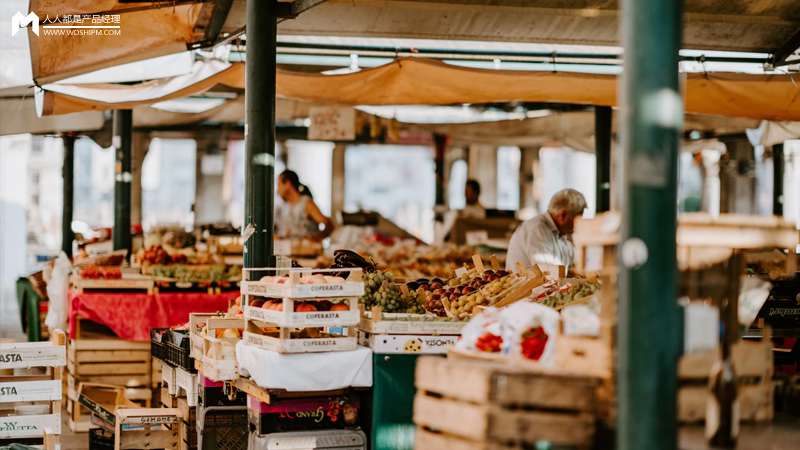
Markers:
<point>752,362</point>
<point>109,357</point>
<point>490,405</point>
<point>26,386</point>
<point>142,284</point>
<point>153,435</point>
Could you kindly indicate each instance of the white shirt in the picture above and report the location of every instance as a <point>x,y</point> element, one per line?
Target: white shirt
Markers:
<point>537,241</point>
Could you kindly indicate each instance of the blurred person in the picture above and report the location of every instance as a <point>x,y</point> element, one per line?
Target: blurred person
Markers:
<point>302,216</point>
<point>473,209</point>
<point>545,239</point>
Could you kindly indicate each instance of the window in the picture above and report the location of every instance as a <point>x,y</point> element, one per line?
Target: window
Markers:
<point>168,182</point>
<point>396,181</point>
<point>35,179</point>
<point>508,160</point>
<point>455,187</point>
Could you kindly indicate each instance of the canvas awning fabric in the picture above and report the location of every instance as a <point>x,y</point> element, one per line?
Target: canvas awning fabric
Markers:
<point>146,31</point>
<point>418,81</point>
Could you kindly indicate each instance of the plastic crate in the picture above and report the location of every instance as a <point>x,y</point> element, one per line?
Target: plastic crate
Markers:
<point>322,439</point>
<point>158,346</point>
<point>178,350</point>
<point>222,428</point>
<point>172,347</point>
<point>100,439</point>
<point>212,393</point>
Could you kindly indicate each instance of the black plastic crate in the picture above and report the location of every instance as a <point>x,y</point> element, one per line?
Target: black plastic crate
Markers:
<point>172,347</point>
<point>100,439</point>
<point>158,346</point>
<point>212,393</point>
<point>178,349</point>
<point>222,428</point>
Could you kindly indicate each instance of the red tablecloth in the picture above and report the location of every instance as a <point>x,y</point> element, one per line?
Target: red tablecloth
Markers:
<point>131,316</point>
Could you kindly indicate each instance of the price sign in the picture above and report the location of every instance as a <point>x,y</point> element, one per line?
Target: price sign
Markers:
<point>475,238</point>
<point>332,123</point>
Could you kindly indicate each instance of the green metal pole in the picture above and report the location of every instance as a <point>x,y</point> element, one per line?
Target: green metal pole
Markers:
<point>259,130</point>
<point>67,173</point>
<point>122,137</point>
<point>602,153</point>
<point>650,324</point>
<point>777,179</point>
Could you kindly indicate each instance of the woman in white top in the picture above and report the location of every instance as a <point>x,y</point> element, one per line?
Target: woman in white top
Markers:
<point>303,217</point>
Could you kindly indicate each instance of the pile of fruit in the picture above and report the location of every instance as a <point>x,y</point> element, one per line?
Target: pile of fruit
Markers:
<point>157,255</point>
<point>568,294</point>
<point>381,290</point>
<point>183,272</point>
<point>470,290</point>
<point>299,307</point>
<point>101,273</point>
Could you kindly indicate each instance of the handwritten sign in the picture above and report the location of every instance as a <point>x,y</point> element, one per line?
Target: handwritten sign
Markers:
<point>332,123</point>
<point>475,238</point>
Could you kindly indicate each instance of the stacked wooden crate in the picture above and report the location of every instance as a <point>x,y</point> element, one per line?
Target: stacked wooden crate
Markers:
<point>477,405</point>
<point>110,361</point>
<point>752,362</point>
<point>187,426</point>
<point>30,401</point>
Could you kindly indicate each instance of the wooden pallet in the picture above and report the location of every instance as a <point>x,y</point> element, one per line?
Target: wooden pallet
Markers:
<point>32,388</point>
<point>486,404</point>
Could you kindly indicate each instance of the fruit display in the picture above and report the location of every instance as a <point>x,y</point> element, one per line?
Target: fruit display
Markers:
<point>569,293</point>
<point>156,255</point>
<point>381,290</point>
<point>470,290</point>
<point>300,307</point>
<point>406,260</point>
<point>101,273</point>
<point>183,272</point>
<point>202,328</point>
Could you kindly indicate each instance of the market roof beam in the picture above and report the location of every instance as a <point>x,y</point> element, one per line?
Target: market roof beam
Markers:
<point>707,25</point>
<point>215,16</point>
<point>780,56</point>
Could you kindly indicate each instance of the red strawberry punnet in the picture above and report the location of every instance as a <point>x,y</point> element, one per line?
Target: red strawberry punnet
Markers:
<point>489,343</point>
<point>533,343</point>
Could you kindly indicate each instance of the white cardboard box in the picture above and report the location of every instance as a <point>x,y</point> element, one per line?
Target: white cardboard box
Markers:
<point>406,343</point>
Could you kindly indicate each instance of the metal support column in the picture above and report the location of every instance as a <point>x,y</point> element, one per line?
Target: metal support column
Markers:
<point>602,147</point>
<point>68,174</point>
<point>650,325</point>
<point>777,179</point>
<point>440,143</point>
<point>122,140</point>
<point>259,130</point>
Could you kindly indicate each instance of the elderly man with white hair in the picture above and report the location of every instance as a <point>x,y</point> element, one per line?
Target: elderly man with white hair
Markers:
<point>545,238</point>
